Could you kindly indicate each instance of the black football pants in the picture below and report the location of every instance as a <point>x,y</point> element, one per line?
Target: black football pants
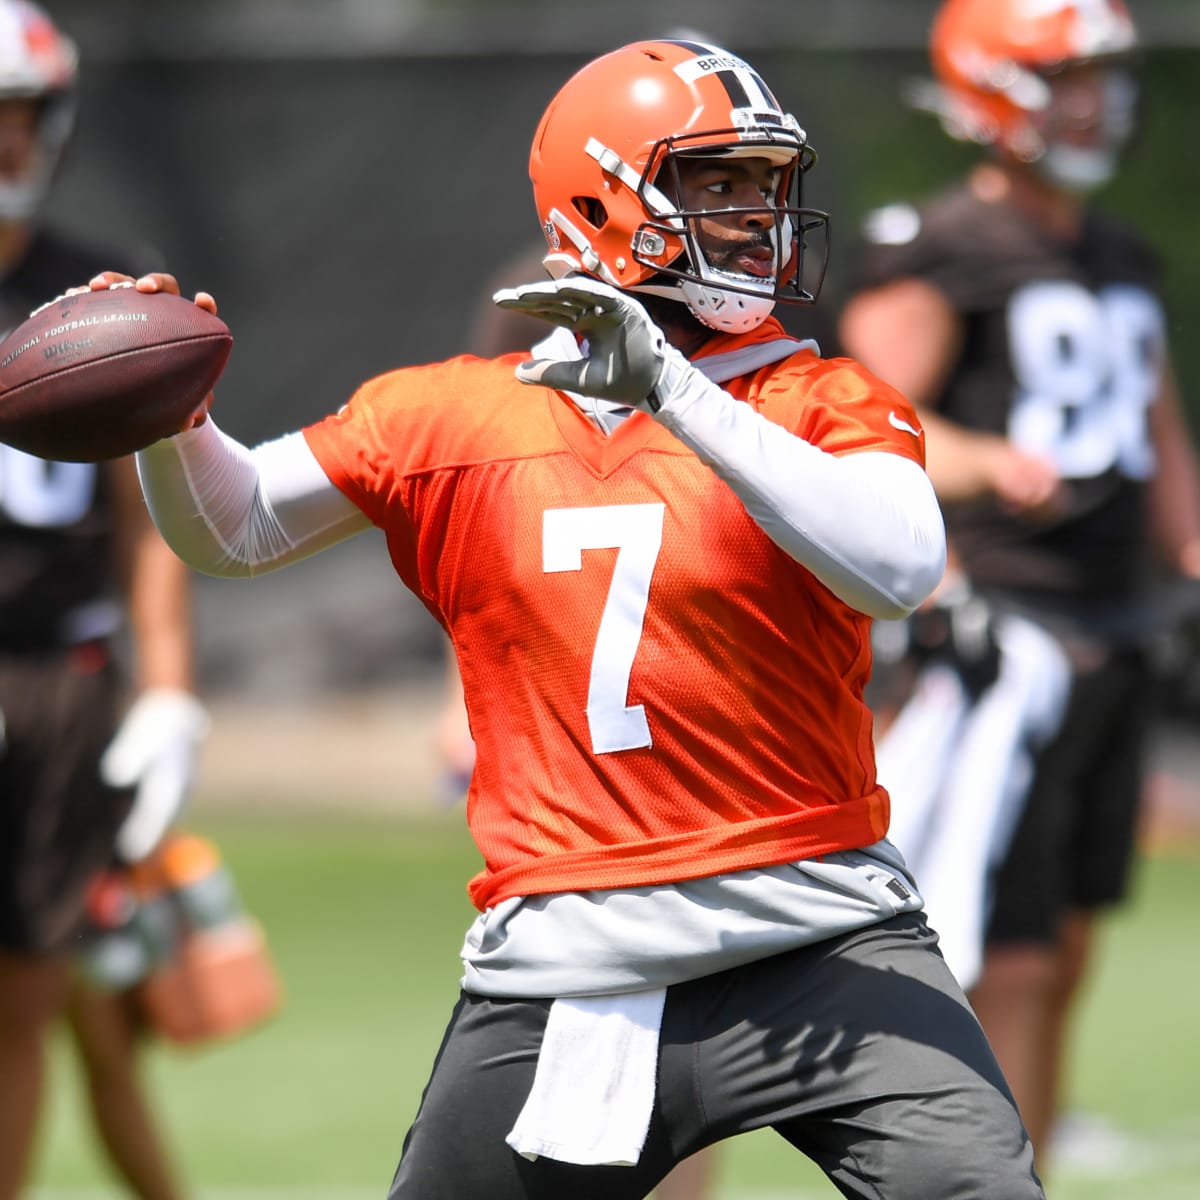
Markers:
<point>861,1051</point>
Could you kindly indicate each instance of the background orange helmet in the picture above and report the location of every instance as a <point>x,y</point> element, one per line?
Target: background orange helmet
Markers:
<point>602,172</point>
<point>38,63</point>
<point>995,61</point>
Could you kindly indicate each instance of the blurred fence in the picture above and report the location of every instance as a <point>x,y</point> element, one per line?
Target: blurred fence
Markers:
<point>181,29</point>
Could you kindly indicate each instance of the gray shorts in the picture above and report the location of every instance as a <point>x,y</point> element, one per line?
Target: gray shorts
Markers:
<point>861,1051</point>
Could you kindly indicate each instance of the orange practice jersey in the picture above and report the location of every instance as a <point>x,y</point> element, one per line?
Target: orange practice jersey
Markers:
<point>656,691</point>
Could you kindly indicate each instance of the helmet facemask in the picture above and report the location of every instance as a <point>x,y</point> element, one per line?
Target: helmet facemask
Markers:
<point>22,195</point>
<point>724,299</point>
<point>1082,137</point>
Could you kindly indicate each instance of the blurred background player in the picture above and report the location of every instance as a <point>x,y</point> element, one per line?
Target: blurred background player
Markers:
<point>79,559</point>
<point>108,1032</point>
<point>1027,328</point>
<point>965,699</point>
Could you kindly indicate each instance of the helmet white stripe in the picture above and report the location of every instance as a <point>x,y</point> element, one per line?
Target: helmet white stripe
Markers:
<point>587,256</point>
<point>615,165</point>
<point>743,83</point>
<point>756,90</point>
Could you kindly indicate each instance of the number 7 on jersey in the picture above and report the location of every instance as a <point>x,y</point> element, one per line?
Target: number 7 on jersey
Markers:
<point>635,532</point>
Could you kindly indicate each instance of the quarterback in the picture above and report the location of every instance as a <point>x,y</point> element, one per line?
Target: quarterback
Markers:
<point>657,543</point>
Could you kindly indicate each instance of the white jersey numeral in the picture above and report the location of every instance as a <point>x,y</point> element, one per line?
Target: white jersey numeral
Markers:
<point>1088,368</point>
<point>635,532</point>
<point>44,494</point>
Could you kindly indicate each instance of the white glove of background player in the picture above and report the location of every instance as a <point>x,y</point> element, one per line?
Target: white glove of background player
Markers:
<point>625,354</point>
<point>155,750</point>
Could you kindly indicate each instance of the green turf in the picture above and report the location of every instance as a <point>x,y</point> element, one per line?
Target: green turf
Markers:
<point>365,917</point>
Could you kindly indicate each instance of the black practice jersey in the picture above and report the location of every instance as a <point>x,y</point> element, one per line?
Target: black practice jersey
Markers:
<point>1063,353</point>
<point>55,519</point>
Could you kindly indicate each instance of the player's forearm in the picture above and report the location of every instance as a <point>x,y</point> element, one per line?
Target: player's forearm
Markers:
<point>160,617</point>
<point>154,587</point>
<point>960,461</point>
<point>1175,511</point>
<point>227,510</point>
<point>867,525</point>
<point>1174,489</point>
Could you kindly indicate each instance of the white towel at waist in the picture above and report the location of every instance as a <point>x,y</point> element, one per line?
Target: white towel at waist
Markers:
<point>593,1090</point>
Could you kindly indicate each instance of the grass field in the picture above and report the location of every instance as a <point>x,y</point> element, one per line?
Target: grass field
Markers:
<point>365,916</point>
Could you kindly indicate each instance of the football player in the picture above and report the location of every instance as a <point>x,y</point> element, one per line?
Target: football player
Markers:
<point>80,565</point>
<point>657,546</point>
<point>1026,325</point>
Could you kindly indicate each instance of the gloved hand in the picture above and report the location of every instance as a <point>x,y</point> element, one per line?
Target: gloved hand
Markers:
<point>625,353</point>
<point>957,627</point>
<point>155,749</point>
<point>1173,648</point>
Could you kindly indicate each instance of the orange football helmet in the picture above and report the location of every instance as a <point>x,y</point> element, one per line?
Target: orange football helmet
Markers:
<point>38,63</point>
<point>604,182</point>
<point>997,62</point>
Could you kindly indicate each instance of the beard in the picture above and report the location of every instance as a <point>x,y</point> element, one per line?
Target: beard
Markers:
<point>724,257</point>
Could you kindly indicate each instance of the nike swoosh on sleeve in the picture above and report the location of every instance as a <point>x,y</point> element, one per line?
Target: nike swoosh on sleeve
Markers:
<point>900,423</point>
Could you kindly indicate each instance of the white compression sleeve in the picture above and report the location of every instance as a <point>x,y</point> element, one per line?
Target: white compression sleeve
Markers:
<point>867,525</point>
<point>230,511</point>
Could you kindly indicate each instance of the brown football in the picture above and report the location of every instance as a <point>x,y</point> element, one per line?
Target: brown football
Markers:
<point>102,374</point>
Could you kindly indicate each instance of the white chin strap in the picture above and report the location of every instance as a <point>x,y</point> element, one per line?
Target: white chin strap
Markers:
<point>20,201</point>
<point>716,307</point>
<point>22,198</point>
<point>1076,168</point>
<point>729,312</point>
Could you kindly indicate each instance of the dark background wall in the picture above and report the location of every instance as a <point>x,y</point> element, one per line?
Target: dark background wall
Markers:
<point>345,177</point>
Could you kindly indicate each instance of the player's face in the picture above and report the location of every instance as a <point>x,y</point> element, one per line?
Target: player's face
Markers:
<point>738,242</point>
<point>1090,106</point>
<point>18,137</point>
<point>1085,125</point>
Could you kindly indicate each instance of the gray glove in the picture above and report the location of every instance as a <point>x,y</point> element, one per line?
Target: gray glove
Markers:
<point>624,352</point>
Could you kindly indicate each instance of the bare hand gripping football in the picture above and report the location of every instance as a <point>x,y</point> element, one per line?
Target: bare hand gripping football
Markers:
<point>97,374</point>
